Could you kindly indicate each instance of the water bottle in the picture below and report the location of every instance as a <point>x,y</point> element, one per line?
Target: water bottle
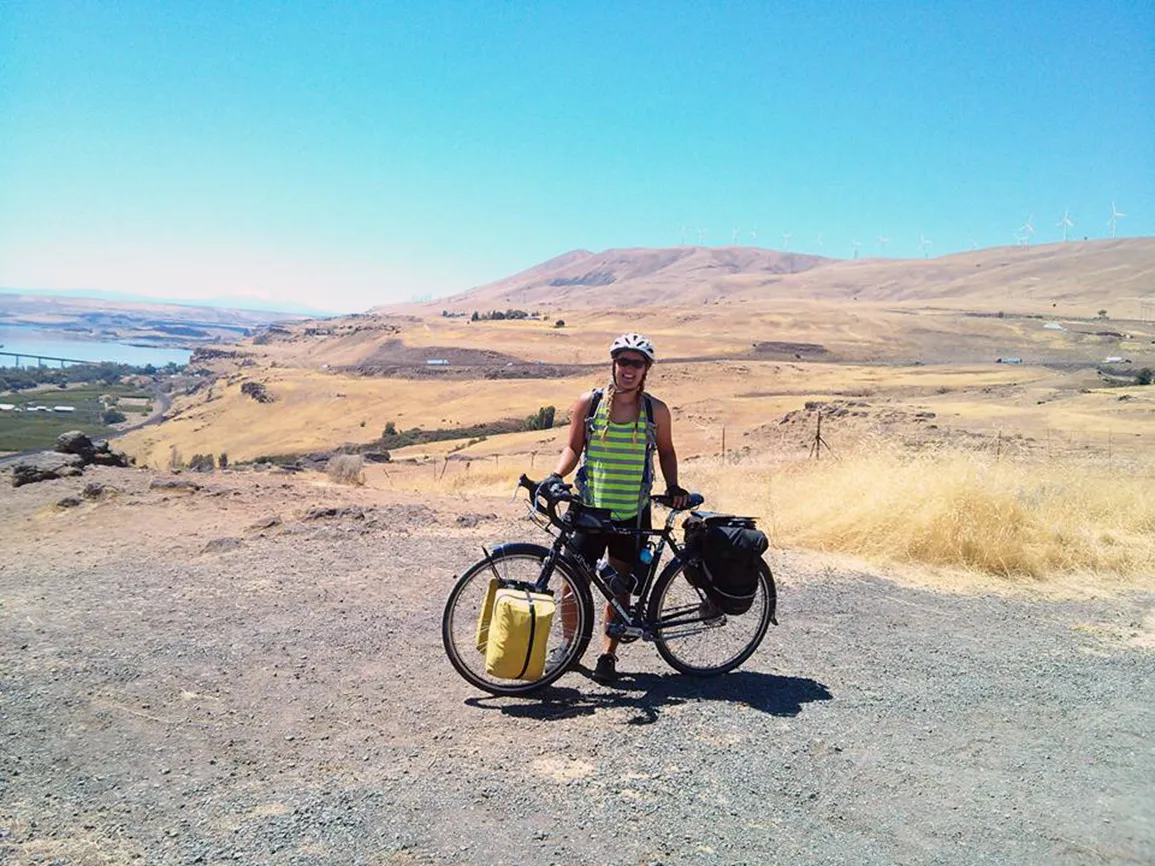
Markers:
<point>619,584</point>
<point>646,555</point>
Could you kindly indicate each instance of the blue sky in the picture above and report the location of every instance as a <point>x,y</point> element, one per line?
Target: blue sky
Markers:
<point>341,155</point>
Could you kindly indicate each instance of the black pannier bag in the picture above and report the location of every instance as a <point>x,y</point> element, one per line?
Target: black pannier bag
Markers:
<point>725,554</point>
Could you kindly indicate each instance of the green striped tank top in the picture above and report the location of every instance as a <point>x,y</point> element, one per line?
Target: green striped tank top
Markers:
<point>615,465</point>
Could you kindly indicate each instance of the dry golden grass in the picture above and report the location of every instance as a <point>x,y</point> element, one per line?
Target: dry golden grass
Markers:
<point>346,469</point>
<point>1012,518</point>
<point>1015,520</point>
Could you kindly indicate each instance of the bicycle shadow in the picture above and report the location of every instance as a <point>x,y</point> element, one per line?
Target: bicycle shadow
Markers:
<point>649,693</point>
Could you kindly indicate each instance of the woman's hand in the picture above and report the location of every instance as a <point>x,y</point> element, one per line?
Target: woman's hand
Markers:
<point>680,496</point>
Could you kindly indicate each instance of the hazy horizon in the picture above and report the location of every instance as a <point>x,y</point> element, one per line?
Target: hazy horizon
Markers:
<point>344,157</point>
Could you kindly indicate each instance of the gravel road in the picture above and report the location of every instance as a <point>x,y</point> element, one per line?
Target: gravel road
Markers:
<point>179,684</point>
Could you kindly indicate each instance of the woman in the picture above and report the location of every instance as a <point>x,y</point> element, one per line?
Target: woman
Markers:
<point>616,430</point>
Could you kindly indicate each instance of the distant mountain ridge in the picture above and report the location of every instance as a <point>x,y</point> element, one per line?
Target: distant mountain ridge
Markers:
<point>1097,273</point>
<point>261,307</point>
<point>630,277</point>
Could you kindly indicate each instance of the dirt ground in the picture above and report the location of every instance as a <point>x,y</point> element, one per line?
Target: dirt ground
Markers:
<point>251,672</point>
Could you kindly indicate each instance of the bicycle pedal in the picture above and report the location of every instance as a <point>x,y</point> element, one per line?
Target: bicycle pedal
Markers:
<point>624,633</point>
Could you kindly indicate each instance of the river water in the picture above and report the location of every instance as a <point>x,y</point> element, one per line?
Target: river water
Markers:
<point>34,341</point>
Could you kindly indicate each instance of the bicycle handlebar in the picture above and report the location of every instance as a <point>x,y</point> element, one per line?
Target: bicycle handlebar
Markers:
<point>549,509</point>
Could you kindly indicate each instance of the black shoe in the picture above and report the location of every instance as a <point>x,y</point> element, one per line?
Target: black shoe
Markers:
<point>606,671</point>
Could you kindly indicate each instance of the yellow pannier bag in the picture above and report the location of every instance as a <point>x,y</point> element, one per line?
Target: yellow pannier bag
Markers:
<point>518,634</point>
<point>482,637</point>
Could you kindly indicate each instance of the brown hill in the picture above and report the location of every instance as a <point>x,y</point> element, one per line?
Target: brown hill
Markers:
<point>1118,275</point>
<point>630,277</point>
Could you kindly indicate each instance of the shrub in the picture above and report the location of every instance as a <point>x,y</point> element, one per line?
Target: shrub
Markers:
<point>543,420</point>
<point>346,469</point>
<point>223,460</point>
<point>201,463</point>
<point>1145,376</point>
<point>560,323</point>
<point>390,429</point>
<point>113,416</point>
<point>257,391</point>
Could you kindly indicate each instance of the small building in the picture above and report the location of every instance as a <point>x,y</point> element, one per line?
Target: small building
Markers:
<point>436,362</point>
<point>7,407</point>
<point>63,408</point>
<point>1116,359</point>
<point>1053,326</point>
<point>1009,361</point>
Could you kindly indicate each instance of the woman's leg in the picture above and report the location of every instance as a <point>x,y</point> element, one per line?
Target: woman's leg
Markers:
<point>610,644</point>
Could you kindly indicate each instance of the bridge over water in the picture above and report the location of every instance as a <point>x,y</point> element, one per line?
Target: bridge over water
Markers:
<point>40,359</point>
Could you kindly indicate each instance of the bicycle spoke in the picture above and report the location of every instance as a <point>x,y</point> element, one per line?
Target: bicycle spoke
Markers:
<point>694,637</point>
<point>461,620</point>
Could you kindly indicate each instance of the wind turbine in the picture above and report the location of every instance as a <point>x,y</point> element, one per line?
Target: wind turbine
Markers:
<point>882,242</point>
<point>974,244</point>
<point>1028,228</point>
<point>753,237</point>
<point>786,236</point>
<point>1115,214</point>
<point>1065,223</point>
<point>701,234</point>
<point>923,243</point>
<point>819,239</point>
<point>682,237</point>
<point>854,245</point>
<point>734,238</point>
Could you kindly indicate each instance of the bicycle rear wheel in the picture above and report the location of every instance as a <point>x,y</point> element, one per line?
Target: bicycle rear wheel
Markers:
<point>569,632</point>
<point>695,638</point>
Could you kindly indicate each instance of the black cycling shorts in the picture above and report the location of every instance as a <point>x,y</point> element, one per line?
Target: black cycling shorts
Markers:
<point>622,547</point>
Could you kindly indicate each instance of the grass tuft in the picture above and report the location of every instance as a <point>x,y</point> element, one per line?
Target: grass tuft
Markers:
<point>346,469</point>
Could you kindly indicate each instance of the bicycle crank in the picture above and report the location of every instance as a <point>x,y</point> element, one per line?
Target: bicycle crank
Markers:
<point>625,633</point>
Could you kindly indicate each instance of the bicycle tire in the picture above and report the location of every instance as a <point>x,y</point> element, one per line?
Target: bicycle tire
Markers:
<point>521,562</point>
<point>678,644</point>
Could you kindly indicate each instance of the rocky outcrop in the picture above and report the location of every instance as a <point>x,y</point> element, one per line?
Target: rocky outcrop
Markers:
<point>46,467</point>
<point>74,451</point>
<point>98,452</point>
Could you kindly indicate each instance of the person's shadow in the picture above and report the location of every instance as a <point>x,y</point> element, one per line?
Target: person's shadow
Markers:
<point>649,693</point>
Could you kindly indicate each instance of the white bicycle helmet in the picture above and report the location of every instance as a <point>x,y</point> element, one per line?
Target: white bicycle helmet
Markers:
<point>633,343</point>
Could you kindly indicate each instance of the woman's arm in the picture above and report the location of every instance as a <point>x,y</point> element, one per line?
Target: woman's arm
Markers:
<point>667,456</point>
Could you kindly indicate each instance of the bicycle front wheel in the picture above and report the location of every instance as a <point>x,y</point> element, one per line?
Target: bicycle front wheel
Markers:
<point>570,629</point>
<point>693,636</point>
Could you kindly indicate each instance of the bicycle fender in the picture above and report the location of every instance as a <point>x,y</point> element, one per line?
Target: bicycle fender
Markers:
<point>515,547</point>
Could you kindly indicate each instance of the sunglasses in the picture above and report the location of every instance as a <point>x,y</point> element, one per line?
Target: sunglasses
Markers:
<point>633,363</point>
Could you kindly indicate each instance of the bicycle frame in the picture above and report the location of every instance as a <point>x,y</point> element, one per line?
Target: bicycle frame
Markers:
<point>631,622</point>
